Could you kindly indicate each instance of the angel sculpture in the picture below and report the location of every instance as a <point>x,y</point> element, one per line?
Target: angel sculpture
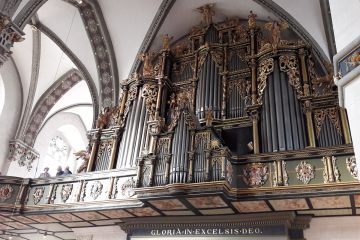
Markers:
<point>104,117</point>
<point>275,28</point>
<point>85,156</point>
<point>207,12</point>
<point>327,80</point>
<point>148,68</point>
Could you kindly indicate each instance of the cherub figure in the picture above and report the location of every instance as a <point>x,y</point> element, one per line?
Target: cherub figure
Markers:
<point>148,68</point>
<point>85,156</point>
<point>166,41</point>
<point>275,28</point>
<point>207,12</point>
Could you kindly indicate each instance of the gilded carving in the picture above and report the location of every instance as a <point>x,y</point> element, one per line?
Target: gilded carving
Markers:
<point>255,175</point>
<point>84,156</point>
<point>265,68</point>
<point>331,171</point>
<point>352,167</point>
<point>201,59</point>
<point>305,172</point>
<point>38,194</point>
<point>323,85</point>
<point>166,41</point>
<point>275,29</point>
<point>133,92</point>
<point>332,114</point>
<point>207,12</point>
<point>289,64</point>
<point>150,92</point>
<point>218,57</point>
<point>127,188</point>
<point>66,191</point>
<point>252,20</point>
<point>96,189</point>
<point>148,68</point>
<point>5,192</point>
<point>280,176</point>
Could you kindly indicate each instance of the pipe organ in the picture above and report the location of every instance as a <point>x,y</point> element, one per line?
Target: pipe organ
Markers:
<point>228,89</point>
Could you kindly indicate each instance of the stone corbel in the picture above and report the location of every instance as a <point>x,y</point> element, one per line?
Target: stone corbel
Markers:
<point>9,33</point>
<point>22,153</point>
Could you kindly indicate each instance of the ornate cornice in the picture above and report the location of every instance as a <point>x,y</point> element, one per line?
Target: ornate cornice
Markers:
<point>47,101</point>
<point>152,31</point>
<point>87,77</point>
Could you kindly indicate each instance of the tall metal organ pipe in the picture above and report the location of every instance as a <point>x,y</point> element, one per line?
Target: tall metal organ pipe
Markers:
<point>282,120</point>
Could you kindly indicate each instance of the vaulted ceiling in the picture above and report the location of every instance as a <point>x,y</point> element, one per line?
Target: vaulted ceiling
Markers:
<point>101,39</point>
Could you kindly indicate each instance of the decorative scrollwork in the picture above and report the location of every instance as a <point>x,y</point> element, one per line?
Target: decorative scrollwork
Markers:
<point>331,171</point>
<point>201,59</point>
<point>289,64</point>
<point>38,194</point>
<point>96,189</point>
<point>133,92</point>
<point>66,192</point>
<point>150,92</point>
<point>352,167</point>
<point>265,68</point>
<point>305,172</point>
<point>127,188</point>
<point>218,57</point>
<point>332,114</point>
<point>255,175</point>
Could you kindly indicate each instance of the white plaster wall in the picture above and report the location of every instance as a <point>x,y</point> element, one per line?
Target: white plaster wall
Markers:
<point>334,228</point>
<point>10,115</point>
<point>100,233</point>
<point>345,18</point>
<point>352,103</point>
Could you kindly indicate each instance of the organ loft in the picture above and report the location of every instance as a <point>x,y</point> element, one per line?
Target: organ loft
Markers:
<point>223,100</point>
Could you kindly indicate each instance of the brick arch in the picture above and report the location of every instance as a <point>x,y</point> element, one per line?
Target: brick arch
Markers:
<point>47,101</point>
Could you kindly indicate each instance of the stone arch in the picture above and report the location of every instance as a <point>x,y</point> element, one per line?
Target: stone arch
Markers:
<point>47,101</point>
<point>100,41</point>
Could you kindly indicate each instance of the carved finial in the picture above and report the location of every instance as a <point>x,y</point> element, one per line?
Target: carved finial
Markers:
<point>207,12</point>
<point>252,20</point>
<point>275,29</point>
<point>166,41</point>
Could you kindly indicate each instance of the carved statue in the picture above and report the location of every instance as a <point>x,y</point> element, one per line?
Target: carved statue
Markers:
<point>172,101</point>
<point>4,21</point>
<point>148,68</point>
<point>104,117</point>
<point>207,12</point>
<point>275,28</point>
<point>326,80</point>
<point>252,20</point>
<point>166,41</point>
<point>209,117</point>
<point>85,156</point>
